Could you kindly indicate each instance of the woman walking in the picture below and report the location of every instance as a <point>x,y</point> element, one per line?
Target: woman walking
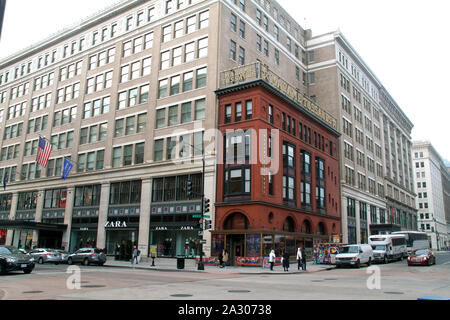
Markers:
<point>299,258</point>
<point>272,259</point>
<point>225,258</point>
<point>303,259</point>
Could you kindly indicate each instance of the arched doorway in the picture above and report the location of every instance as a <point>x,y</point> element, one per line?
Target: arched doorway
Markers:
<point>235,243</point>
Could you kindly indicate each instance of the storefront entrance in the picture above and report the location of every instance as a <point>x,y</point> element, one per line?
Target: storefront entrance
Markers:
<point>119,243</point>
<point>236,247</point>
<point>50,239</point>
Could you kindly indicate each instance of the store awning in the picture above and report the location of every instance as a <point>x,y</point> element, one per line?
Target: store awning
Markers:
<point>31,225</point>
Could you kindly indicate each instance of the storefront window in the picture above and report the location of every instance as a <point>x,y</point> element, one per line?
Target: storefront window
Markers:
<point>253,245</point>
<point>218,244</point>
<point>172,243</point>
<point>268,244</point>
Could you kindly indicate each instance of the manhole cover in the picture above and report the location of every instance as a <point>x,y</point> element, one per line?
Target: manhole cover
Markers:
<point>37,291</point>
<point>239,291</point>
<point>393,292</point>
<point>93,286</point>
<point>181,295</point>
<point>316,280</point>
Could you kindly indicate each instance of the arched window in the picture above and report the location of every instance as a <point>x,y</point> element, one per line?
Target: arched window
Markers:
<point>236,221</point>
<point>321,228</point>
<point>306,227</point>
<point>289,225</point>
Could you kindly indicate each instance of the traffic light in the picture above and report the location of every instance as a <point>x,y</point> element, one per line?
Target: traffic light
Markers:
<point>199,225</point>
<point>207,224</point>
<point>189,188</point>
<point>205,205</point>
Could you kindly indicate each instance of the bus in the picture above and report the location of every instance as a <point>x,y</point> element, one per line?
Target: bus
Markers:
<point>415,240</point>
<point>387,247</point>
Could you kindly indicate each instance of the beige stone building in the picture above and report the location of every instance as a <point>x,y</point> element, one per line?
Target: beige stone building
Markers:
<point>377,192</point>
<point>127,96</point>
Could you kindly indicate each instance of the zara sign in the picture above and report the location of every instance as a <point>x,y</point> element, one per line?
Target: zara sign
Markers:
<point>116,224</point>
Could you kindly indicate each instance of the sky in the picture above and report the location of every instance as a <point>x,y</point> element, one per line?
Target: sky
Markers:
<point>404,42</point>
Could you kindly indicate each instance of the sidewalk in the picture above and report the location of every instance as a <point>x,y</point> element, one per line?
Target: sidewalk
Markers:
<point>190,266</point>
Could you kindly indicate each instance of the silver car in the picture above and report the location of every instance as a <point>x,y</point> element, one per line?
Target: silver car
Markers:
<point>64,255</point>
<point>87,256</point>
<point>42,255</point>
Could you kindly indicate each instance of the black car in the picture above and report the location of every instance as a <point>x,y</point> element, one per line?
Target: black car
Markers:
<point>12,259</point>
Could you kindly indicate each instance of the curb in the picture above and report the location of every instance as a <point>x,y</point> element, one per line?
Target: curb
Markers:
<point>215,272</point>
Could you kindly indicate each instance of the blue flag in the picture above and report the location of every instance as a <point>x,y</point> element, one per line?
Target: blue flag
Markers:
<point>5,179</point>
<point>67,167</point>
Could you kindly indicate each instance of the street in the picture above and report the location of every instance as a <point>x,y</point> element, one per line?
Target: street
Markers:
<point>396,281</point>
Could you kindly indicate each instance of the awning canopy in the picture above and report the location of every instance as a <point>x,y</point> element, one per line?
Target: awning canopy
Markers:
<point>31,225</point>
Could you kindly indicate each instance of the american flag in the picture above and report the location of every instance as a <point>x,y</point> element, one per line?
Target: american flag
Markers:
<point>43,152</point>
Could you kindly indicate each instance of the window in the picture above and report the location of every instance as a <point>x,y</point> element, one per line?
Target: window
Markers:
<point>188,81</point>
<point>241,56</point>
<point>201,77</point>
<point>232,50</point>
<point>242,29</point>
<point>186,112</point>
<point>203,48</point>
<point>158,150</point>
<point>233,22</point>
<point>200,109</point>
<point>248,109</point>
<point>237,181</point>
<point>204,19</point>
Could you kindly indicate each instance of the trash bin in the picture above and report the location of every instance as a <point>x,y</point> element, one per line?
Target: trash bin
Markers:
<point>180,262</point>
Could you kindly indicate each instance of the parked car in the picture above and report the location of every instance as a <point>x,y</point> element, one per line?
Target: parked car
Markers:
<point>24,251</point>
<point>43,255</point>
<point>87,256</point>
<point>64,255</point>
<point>421,258</point>
<point>11,259</point>
<point>354,255</point>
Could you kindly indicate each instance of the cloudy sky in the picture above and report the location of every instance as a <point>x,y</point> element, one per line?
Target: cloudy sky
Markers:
<point>404,42</point>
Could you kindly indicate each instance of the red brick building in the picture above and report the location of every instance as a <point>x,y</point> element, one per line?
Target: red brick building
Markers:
<point>278,176</point>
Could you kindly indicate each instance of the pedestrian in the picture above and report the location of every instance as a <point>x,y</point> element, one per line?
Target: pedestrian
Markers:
<point>299,258</point>
<point>272,259</point>
<point>221,258</point>
<point>225,258</point>
<point>285,260</point>
<point>134,256</point>
<point>303,259</point>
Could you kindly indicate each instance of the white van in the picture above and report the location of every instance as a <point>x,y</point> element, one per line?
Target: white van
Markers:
<point>354,255</point>
<point>388,247</point>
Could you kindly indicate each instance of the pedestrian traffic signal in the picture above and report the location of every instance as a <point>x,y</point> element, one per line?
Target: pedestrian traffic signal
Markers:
<point>189,188</point>
<point>205,205</point>
<point>207,224</point>
<point>199,225</point>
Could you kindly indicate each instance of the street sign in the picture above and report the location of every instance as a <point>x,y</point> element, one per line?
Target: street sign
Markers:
<point>203,241</point>
<point>197,216</point>
<point>207,217</point>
